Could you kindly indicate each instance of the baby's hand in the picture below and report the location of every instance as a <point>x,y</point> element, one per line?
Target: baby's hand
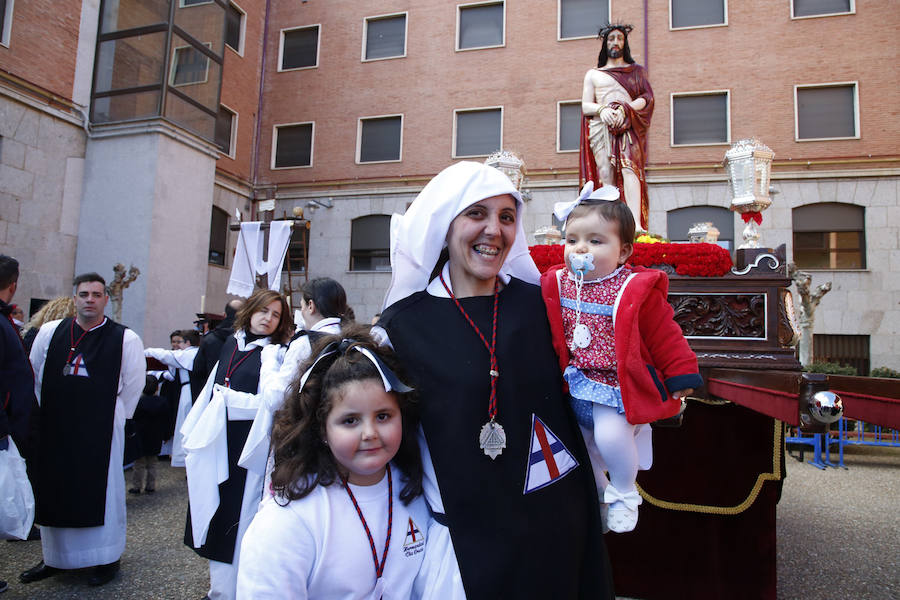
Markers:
<point>679,394</point>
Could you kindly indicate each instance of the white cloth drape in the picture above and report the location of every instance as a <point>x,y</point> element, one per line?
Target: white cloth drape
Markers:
<point>248,255</point>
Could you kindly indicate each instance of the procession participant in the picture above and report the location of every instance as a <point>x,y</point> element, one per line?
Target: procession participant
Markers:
<point>211,346</point>
<point>617,103</point>
<point>323,306</point>
<point>90,372</point>
<point>53,310</point>
<point>507,476</point>
<point>16,377</point>
<point>180,360</point>
<point>347,485</point>
<point>224,496</point>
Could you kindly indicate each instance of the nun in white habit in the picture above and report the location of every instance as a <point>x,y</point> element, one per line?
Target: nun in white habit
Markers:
<point>506,471</point>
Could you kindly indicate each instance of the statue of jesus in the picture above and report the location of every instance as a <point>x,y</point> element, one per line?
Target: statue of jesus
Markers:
<point>617,103</point>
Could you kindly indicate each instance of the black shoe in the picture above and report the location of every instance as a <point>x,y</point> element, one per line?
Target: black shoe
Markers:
<point>103,574</point>
<point>149,490</point>
<point>134,491</point>
<point>3,586</point>
<point>38,572</point>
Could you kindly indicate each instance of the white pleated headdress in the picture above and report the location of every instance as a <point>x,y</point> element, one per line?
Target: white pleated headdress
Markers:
<point>418,236</point>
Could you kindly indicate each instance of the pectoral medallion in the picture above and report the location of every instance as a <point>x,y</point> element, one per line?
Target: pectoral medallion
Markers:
<point>581,336</point>
<point>492,439</point>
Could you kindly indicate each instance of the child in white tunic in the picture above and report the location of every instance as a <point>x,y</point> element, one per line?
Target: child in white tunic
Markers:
<point>344,517</point>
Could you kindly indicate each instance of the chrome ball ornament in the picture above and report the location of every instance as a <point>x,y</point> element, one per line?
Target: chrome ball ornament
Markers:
<point>826,407</point>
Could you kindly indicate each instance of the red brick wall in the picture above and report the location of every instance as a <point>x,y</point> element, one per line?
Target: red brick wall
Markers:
<point>240,88</point>
<point>759,57</point>
<point>42,44</point>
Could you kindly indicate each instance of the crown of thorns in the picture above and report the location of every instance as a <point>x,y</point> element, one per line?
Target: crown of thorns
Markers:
<point>609,28</point>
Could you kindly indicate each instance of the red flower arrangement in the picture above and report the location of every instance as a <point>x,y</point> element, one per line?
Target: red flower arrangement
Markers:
<point>690,260</point>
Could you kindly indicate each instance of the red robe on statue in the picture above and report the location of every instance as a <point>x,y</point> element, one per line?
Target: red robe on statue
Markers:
<point>629,142</point>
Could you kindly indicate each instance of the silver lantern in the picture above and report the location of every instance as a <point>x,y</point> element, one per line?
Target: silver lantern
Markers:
<point>749,164</point>
<point>510,164</point>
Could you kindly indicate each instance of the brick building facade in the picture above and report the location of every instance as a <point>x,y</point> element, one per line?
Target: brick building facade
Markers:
<point>346,109</point>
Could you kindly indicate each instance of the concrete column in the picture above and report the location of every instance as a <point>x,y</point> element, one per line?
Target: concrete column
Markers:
<point>148,191</point>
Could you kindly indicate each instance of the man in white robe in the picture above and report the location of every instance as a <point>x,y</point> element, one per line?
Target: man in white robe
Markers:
<point>74,359</point>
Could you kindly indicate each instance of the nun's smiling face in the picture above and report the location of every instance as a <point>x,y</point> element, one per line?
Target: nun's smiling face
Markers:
<point>478,240</point>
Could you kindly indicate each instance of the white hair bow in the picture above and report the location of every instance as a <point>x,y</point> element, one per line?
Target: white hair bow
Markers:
<point>607,192</point>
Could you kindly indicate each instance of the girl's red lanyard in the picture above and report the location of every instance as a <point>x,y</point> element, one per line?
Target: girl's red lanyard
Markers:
<point>72,343</point>
<point>229,370</point>
<point>379,568</point>
<point>492,437</point>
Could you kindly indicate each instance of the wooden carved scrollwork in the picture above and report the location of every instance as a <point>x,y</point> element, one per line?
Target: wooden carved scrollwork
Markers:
<point>721,315</point>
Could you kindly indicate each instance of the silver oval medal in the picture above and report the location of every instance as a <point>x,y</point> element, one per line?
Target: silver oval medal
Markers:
<point>581,336</point>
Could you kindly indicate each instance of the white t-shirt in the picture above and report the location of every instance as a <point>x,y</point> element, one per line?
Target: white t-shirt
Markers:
<point>317,547</point>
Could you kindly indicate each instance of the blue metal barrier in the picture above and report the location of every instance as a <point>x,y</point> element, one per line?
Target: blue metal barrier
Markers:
<point>822,442</point>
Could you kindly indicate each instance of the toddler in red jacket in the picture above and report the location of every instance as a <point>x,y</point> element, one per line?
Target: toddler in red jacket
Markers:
<point>623,357</point>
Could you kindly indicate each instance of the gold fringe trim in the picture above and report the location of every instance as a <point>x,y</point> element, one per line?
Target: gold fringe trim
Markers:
<point>775,475</point>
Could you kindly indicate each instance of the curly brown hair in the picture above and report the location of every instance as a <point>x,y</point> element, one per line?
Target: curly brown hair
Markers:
<point>302,459</point>
<point>258,301</point>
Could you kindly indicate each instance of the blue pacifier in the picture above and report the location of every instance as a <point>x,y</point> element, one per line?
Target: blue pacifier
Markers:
<point>581,263</point>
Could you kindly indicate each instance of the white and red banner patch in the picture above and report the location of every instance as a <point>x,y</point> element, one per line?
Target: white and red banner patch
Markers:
<point>549,460</point>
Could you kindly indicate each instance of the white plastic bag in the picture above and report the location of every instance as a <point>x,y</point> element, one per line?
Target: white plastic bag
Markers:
<point>16,497</point>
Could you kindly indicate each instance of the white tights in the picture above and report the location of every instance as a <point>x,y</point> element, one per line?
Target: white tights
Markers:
<point>615,442</point>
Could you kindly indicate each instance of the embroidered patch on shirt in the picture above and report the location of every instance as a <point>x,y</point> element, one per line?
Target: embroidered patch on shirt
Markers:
<point>415,539</point>
<point>76,367</point>
<point>549,460</point>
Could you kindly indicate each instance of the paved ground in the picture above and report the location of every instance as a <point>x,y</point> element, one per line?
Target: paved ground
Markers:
<point>839,538</point>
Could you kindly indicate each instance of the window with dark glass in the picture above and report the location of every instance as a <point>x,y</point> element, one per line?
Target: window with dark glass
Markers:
<point>829,235</point>
<point>293,145</point>
<point>697,13</point>
<point>826,112</point>
<point>218,236</point>
<point>680,220</point>
<point>480,26</point>
<point>385,37</point>
<point>700,119</point>
<point>370,243</point>
<point>6,10</point>
<point>850,350</point>
<point>582,18</point>
<point>234,19</point>
<point>569,126</point>
<point>300,48</point>
<point>224,127</point>
<point>818,8</point>
<point>478,132</point>
<point>189,66</point>
<point>380,139</point>
<point>138,42</point>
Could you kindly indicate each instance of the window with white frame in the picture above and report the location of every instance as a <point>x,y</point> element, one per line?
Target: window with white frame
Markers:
<point>680,220</point>
<point>697,13</point>
<point>293,146</point>
<point>829,235</point>
<point>234,27</point>
<point>189,66</point>
<point>821,8</point>
<point>379,139</point>
<point>701,118</point>
<point>827,111</point>
<point>568,131</point>
<point>6,17</point>
<point>582,18</point>
<point>477,132</point>
<point>384,37</point>
<point>480,25</point>
<point>370,243</point>
<point>299,48</point>
<point>226,129</point>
